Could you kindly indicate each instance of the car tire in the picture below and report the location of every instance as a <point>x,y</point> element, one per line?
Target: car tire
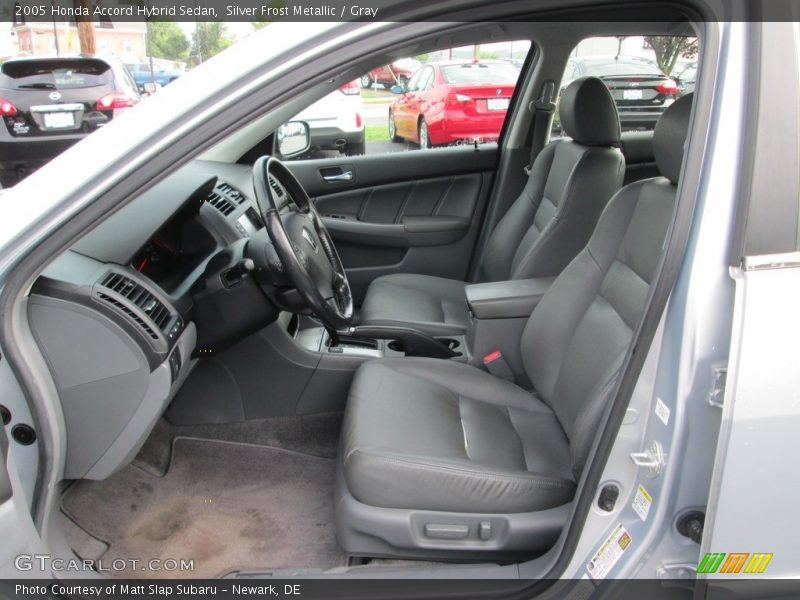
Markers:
<point>393,130</point>
<point>423,136</point>
<point>356,148</point>
<point>366,81</point>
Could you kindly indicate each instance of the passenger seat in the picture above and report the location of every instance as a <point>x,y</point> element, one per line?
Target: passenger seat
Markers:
<point>570,183</point>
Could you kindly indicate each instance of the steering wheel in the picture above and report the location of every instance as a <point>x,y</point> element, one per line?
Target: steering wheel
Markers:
<point>303,244</point>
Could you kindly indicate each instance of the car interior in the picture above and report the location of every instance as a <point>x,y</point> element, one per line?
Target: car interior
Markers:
<point>271,370</point>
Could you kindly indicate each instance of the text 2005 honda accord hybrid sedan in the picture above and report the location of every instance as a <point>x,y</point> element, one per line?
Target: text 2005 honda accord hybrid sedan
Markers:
<point>527,361</point>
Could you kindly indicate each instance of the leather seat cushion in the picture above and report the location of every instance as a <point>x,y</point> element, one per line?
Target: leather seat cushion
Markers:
<point>441,435</point>
<point>434,305</point>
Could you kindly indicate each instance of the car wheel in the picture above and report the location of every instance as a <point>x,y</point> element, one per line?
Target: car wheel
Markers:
<point>355,148</point>
<point>424,138</point>
<point>393,130</point>
<point>366,81</point>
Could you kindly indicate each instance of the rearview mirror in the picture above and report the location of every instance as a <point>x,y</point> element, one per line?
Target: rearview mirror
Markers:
<point>397,89</point>
<point>294,138</point>
<point>150,87</point>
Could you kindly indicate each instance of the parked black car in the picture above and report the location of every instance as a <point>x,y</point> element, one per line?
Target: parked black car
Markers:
<point>48,104</point>
<point>639,88</point>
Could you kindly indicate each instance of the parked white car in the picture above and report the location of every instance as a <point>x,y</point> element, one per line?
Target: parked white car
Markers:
<point>337,121</point>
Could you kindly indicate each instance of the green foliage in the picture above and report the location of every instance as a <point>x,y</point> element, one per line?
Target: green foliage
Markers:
<point>209,39</point>
<point>167,40</point>
<point>669,48</point>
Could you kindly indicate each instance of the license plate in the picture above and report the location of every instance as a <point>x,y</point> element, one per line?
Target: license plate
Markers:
<point>497,103</point>
<point>59,120</point>
<point>631,94</point>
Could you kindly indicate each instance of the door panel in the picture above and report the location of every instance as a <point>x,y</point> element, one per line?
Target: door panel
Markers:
<point>407,212</point>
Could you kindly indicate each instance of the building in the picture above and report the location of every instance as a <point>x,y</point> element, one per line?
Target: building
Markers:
<point>125,40</point>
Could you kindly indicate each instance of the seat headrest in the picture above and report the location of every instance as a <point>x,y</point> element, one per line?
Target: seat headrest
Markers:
<point>670,137</point>
<point>588,113</point>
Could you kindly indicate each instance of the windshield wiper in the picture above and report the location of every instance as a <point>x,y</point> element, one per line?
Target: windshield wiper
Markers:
<point>37,86</point>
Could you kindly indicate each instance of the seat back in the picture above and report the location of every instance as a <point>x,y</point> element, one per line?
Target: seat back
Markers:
<point>574,343</point>
<point>570,183</point>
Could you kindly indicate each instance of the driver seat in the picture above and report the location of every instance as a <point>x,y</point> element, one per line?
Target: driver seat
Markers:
<point>442,459</point>
<point>570,183</point>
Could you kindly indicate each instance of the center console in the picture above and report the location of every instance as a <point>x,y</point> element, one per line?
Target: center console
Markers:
<point>295,366</point>
<point>499,312</point>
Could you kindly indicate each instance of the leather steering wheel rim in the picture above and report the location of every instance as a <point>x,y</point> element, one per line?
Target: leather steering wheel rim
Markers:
<point>314,275</point>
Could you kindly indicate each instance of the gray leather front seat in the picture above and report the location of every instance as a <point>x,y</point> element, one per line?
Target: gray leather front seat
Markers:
<point>570,183</point>
<point>439,456</point>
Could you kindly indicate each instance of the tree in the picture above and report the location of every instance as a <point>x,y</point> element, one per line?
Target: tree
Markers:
<point>85,28</point>
<point>669,48</point>
<point>209,39</point>
<point>167,40</point>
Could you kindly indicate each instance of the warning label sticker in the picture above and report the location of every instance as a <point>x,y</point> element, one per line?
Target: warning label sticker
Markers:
<point>662,411</point>
<point>642,502</point>
<point>609,553</point>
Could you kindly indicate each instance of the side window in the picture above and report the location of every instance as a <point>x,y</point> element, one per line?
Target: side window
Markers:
<point>449,97</point>
<point>426,79</point>
<point>413,83</point>
<point>641,72</point>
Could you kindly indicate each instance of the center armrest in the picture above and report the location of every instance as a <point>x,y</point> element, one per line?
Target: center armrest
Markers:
<point>506,299</point>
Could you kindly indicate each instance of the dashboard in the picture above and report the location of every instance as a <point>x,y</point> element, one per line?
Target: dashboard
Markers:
<point>122,314</point>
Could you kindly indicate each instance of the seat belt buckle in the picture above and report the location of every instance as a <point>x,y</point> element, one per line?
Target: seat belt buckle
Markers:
<point>497,365</point>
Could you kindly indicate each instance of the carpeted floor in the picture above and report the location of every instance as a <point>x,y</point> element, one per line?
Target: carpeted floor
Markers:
<point>228,506</point>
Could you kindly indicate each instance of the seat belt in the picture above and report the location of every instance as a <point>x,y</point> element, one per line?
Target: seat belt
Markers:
<point>542,110</point>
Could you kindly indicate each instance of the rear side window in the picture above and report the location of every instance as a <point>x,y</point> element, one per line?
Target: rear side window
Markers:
<point>480,73</point>
<point>57,74</point>
<point>641,72</point>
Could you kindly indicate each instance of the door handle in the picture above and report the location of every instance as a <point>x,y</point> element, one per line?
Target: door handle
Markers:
<point>343,176</point>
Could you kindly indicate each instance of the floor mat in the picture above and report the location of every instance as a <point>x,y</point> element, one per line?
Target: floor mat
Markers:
<point>226,506</point>
<point>316,434</point>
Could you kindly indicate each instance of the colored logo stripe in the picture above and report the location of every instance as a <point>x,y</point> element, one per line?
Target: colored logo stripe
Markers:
<point>758,562</point>
<point>734,562</point>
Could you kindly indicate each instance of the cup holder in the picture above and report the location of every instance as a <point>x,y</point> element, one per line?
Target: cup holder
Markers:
<point>397,346</point>
<point>450,343</point>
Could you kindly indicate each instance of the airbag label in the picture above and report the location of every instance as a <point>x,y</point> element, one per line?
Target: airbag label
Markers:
<point>609,553</point>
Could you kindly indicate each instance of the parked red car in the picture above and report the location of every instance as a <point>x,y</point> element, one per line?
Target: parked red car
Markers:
<point>399,72</point>
<point>452,102</point>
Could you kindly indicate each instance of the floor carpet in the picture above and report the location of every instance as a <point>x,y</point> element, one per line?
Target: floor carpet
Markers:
<point>226,506</point>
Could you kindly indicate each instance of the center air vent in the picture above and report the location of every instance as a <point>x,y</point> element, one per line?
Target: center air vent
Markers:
<point>276,188</point>
<point>225,197</point>
<point>150,306</point>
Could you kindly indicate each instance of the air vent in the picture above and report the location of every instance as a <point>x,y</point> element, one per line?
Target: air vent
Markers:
<point>225,197</point>
<point>140,322</point>
<point>139,297</point>
<point>226,189</point>
<point>223,205</point>
<point>276,188</point>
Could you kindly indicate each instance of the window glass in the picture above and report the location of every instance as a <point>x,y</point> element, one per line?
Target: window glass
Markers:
<point>641,72</point>
<point>58,74</point>
<point>438,94</point>
<point>480,73</point>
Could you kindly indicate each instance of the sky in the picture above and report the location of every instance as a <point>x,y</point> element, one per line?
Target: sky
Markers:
<point>236,29</point>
